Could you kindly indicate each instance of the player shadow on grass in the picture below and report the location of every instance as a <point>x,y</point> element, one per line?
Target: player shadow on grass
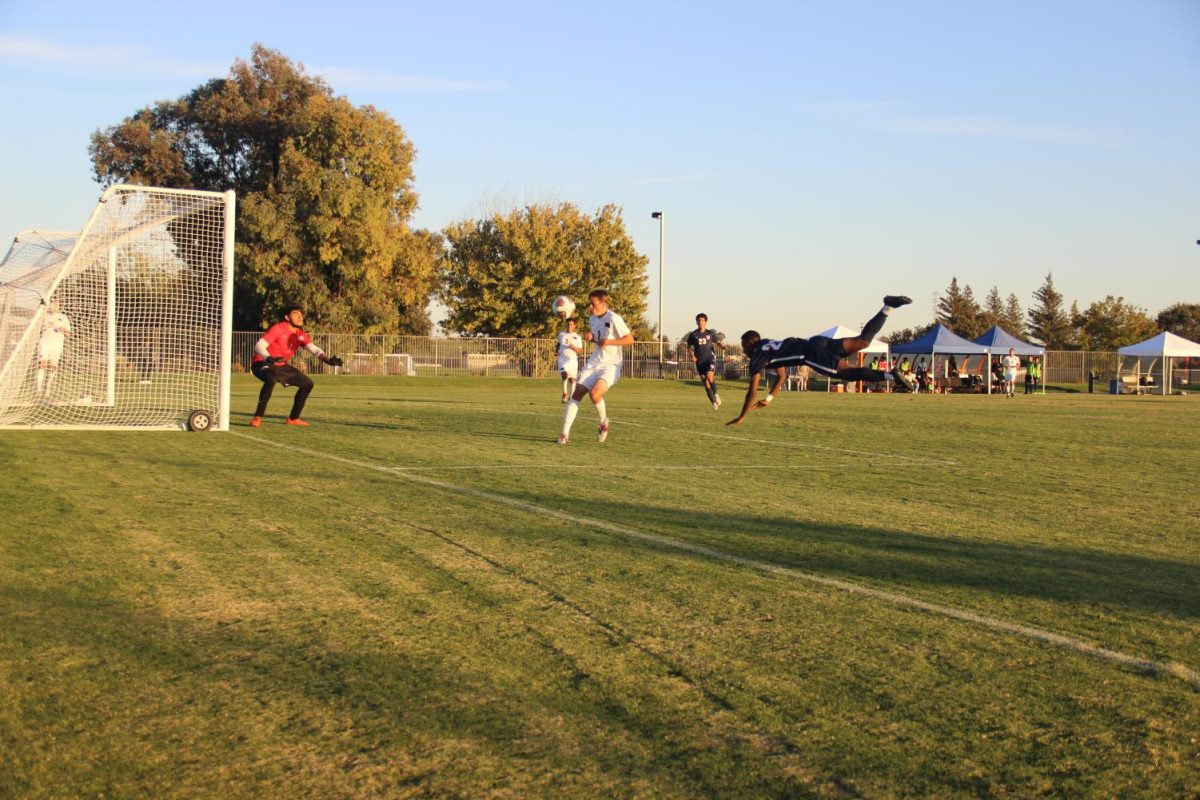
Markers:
<point>284,679</point>
<point>517,436</point>
<point>242,420</point>
<point>895,559</point>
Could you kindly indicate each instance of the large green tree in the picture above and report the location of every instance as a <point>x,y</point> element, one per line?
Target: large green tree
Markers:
<point>993,309</point>
<point>958,310</point>
<point>501,273</point>
<point>1049,324</point>
<point>1013,318</point>
<point>324,193</point>
<point>1112,323</point>
<point>1181,319</point>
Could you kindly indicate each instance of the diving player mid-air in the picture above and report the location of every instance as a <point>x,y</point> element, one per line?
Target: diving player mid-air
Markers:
<point>824,355</point>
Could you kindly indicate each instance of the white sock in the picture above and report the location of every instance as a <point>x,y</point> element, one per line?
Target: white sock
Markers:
<point>41,380</point>
<point>49,379</point>
<point>566,386</point>
<point>601,409</point>
<point>887,310</point>
<point>569,416</point>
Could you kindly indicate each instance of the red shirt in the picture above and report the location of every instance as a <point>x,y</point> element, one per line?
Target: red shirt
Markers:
<point>283,341</point>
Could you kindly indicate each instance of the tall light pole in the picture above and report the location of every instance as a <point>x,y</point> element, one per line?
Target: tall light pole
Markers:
<point>658,215</point>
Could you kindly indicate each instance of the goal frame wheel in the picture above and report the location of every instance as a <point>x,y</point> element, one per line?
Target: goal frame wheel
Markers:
<point>200,420</point>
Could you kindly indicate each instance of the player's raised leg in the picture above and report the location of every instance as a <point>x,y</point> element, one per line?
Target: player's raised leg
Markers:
<point>854,344</point>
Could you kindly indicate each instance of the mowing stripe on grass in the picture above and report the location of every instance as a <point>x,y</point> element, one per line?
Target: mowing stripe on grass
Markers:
<point>1173,668</point>
<point>592,468</point>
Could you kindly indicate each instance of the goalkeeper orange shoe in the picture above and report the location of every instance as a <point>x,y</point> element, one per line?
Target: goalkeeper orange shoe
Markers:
<point>256,422</point>
<point>297,422</point>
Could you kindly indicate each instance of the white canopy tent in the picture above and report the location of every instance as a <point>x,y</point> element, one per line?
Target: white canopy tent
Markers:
<point>1165,347</point>
<point>876,347</point>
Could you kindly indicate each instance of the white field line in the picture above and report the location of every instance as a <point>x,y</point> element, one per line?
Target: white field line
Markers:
<point>777,442</point>
<point>1173,668</point>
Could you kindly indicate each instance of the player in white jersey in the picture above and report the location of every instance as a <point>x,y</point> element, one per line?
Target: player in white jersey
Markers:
<point>56,326</point>
<point>1011,364</point>
<point>570,347</point>
<point>609,333</point>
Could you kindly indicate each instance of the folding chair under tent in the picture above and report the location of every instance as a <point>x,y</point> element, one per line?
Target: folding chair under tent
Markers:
<point>943,341</point>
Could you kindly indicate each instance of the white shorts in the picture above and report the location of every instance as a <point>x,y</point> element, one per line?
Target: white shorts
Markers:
<point>571,367</point>
<point>50,353</point>
<point>1010,377</point>
<point>609,373</point>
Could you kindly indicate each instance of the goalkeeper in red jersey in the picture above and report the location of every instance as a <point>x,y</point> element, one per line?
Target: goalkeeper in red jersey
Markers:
<point>272,354</point>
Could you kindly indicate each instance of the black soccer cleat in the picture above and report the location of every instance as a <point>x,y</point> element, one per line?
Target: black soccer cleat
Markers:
<point>896,300</point>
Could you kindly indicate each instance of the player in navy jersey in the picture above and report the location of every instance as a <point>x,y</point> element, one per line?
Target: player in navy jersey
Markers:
<point>826,356</point>
<point>701,342</point>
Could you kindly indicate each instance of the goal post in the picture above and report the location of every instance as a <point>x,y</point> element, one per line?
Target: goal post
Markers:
<point>125,324</point>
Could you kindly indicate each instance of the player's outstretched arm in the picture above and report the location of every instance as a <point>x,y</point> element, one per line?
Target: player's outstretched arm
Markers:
<point>751,392</point>
<point>780,377</point>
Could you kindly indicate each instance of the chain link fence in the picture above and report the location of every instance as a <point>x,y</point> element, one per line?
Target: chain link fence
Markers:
<point>417,356</point>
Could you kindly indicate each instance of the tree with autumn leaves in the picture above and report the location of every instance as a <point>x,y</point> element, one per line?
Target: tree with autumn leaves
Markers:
<point>500,274</point>
<point>324,193</point>
<point>325,196</point>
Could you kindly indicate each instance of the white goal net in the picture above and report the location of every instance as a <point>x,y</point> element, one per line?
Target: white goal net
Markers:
<point>126,324</point>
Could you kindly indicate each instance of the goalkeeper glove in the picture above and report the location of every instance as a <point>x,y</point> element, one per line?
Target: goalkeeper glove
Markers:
<point>333,361</point>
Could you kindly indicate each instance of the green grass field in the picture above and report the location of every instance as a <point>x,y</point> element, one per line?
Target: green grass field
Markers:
<point>423,596</point>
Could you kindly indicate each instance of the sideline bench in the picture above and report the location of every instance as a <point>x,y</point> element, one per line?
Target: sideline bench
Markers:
<point>480,363</point>
<point>1131,385</point>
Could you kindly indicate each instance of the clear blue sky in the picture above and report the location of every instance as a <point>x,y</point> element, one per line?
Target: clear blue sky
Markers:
<point>809,156</point>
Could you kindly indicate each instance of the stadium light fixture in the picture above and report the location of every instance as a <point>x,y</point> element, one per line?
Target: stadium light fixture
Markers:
<point>658,215</point>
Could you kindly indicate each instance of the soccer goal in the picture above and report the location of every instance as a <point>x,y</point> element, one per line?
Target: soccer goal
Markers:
<point>126,324</point>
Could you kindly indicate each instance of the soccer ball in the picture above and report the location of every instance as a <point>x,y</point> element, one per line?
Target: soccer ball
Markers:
<point>563,306</point>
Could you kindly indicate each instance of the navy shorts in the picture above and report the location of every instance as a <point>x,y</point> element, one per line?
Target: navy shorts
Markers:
<point>823,354</point>
<point>284,374</point>
<point>705,367</point>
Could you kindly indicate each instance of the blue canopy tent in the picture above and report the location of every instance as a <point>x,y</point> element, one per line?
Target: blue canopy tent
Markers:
<point>942,340</point>
<point>1001,341</point>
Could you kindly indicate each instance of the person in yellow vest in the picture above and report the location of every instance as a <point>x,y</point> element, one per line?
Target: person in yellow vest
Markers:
<point>1035,370</point>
